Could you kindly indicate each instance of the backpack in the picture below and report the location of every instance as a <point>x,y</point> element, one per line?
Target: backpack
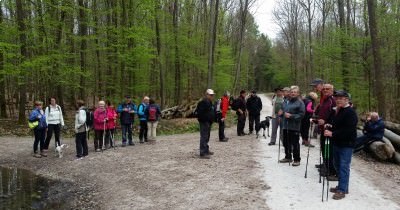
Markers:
<point>152,113</point>
<point>58,108</point>
<point>217,110</point>
<point>236,104</point>
<point>89,118</point>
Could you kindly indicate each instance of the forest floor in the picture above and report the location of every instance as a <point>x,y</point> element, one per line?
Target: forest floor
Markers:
<point>242,174</point>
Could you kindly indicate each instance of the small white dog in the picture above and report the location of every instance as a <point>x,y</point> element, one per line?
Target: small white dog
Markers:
<point>59,150</point>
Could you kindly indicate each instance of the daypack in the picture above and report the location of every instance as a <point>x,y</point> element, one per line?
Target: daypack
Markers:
<point>89,118</point>
<point>58,108</point>
<point>236,104</point>
<point>152,113</point>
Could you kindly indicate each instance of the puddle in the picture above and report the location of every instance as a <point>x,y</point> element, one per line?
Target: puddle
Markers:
<point>22,189</point>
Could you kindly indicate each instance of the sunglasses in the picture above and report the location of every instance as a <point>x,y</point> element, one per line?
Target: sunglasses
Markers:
<point>326,88</point>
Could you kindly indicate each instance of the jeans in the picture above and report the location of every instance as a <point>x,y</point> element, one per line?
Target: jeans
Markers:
<point>50,129</point>
<point>342,160</point>
<point>81,144</point>
<point>152,127</point>
<point>205,129</point>
<point>241,123</point>
<point>291,144</point>
<point>40,134</point>
<point>275,125</point>
<point>254,119</point>
<point>126,133</point>
<point>143,130</point>
<point>221,129</point>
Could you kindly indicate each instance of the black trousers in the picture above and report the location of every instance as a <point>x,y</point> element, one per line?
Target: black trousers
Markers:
<point>254,119</point>
<point>40,135</point>
<point>329,160</point>
<point>291,144</point>
<point>110,137</point>
<point>81,145</point>
<point>241,123</point>
<point>305,127</point>
<point>98,139</point>
<point>221,129</point>
<point>50,129</point>
<point>143,130</point>
<point>205,129</point>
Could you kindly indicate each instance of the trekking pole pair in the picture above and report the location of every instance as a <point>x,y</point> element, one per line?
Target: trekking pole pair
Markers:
<point>326,161</point>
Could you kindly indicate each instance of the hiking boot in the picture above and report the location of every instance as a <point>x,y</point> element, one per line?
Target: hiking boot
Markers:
<point>271,143</point>
<point>333,178</point>
<point>205,157</point>
<point>37,155</point>
<point>296,163</point>
<point>43,154</point>
<point>224,140</point>
<point>146,140</point>
<point>132,144</point>
<point>98,150</point>
<point>335,190</point>
<point>318,165</point>
<point>210,153</point>
<point>142,142</point>
<point>285,160</point>
<point>338,195</point>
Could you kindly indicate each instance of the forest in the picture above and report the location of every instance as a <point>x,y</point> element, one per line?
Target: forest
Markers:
<point>172,50</point>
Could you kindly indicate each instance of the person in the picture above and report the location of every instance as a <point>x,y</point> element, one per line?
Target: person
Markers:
<point>324,111</point>
<point>254,107</point>
<point>205,116</point>
<point>293,112</point>
<point>309,103</point>
<point>343,133</point>
<point>317,85</point>
<point>153,113</point>
<point>374,128</point>
<point>277,103</point>
<point>55,121</point>
<point>39,131</point>
<point>241,112</point>
<point>221,110</point>
<point>80,131</point>
<point>143,119</point>
<point>100,125</point>
<point>126,111</point>
<point>112,117</point>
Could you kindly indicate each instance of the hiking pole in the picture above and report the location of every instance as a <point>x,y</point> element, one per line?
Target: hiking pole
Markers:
<point>327,180</point>
<point>288,137</point>
<point>320,161</point>
<point>308,155</point>
<point>279,144</point>
<point>104,135</point>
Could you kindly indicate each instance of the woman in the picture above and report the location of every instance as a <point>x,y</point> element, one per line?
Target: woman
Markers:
<point>309,103</point>
<point>54,122</point>
<point>112,119</point>
<point>100,126</point>
<point>80,131</point>
<point>40,130</point>
<point>153,113</point>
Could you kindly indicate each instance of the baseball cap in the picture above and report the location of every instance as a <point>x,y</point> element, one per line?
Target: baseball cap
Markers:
<point>341,93</point>
<point>253,91</point>
<point>210,92</point>
<point>317,81</point>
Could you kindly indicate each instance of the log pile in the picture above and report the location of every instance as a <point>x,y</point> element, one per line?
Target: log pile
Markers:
<point>393,127</point>
<point>181,111</point>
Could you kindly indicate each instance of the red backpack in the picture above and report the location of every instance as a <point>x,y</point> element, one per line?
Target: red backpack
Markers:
<point>152,113</point>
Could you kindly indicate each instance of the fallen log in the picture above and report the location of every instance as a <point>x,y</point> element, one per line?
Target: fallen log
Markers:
<point>393,127</point>
<point>382,151</point>
<point>396,158</point>
<point>394,138</point>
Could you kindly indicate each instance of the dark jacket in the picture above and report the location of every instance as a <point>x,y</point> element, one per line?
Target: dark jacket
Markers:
<point>296,108</point>
<point>205,111</point>
<point>126,117</point>
<point>344,127</point>
<point>374,129</point>
<point>158,111</point>
<point>241,105</point>
<point>254,105</point>
<point>325,109</point>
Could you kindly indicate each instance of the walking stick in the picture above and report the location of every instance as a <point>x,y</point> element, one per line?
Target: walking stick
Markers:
<point>327,180</point>
<point>320,160</point>
<point>280,139</point>
<point>287,134</point>
<point>308,154</point>
<point>326,160</point>
<point>104,135</point>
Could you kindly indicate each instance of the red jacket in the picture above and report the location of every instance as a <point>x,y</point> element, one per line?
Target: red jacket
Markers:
<point>112,117</point>
<point>99,116</point>
<point>224,105</point>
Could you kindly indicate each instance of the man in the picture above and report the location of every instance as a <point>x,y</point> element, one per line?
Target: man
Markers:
<point>143,119</point>
<point>343,136</point>
<point>240,104</point>
<point>222,109</point>
<point>324,111</point>
<point>205,116</point>
<point>317,85</point>
<point>293,112</point>
<point>127,114</point>
<point>277,103</point>
<point>374,128</point>
<point>254,106</point>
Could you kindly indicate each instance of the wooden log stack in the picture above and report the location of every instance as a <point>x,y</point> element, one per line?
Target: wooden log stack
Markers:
<point>181,111</point>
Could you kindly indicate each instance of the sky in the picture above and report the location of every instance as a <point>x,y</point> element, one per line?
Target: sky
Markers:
<point>262,11</point>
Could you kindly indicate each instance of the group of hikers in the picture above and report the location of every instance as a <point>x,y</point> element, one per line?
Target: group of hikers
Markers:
<point>103,120</point>
<point>333,116</point>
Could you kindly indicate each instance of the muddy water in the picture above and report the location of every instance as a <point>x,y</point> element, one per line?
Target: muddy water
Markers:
<point>21,189</point>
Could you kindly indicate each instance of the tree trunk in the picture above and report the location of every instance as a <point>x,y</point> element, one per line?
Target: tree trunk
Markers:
<point>373,28</point>
<point>159,56</point>
<point>3,106</point>
<point>59,32</point>
<point>82,34</point>
<point>177,95</point>
<point>211,43</point>
<point>343,43</point>
<point>24,54</point>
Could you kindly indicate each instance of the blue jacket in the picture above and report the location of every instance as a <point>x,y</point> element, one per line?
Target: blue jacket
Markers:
<point>141,112</point>
<point>37,116</point>
<point>126,117</point>
<point>374,129</point>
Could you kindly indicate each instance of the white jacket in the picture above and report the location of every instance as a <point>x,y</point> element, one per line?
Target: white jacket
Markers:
<point>54,116</point>
<point>80,120</point>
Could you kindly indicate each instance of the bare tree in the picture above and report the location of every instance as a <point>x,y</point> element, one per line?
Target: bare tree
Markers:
<point>212,40</point>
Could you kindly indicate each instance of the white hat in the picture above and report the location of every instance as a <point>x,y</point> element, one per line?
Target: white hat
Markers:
<point>210,92</point>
